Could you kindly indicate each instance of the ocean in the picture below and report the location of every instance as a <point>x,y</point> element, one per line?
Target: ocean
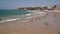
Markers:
<point>13,14</point>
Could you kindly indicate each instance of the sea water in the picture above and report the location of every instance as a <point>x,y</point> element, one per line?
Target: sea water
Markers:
<point>9,15</point>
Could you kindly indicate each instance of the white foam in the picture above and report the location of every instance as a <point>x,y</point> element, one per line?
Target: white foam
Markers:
<point>10,20</point>
<point>27,15</point>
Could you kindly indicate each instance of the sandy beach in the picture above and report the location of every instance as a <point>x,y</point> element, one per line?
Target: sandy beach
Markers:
<point>34,25</point>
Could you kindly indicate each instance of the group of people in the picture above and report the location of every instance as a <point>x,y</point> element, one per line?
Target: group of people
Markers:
<point>38,18</point>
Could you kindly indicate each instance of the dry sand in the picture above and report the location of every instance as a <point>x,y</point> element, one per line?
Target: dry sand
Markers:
<point>37,26</point>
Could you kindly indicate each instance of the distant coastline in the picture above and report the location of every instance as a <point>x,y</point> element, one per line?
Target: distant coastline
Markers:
<point>40,8</point>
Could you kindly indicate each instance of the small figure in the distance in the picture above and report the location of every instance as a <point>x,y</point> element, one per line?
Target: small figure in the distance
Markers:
<point>46,24</point>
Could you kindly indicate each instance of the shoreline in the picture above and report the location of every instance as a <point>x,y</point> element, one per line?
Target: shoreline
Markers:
<point>34,25</point>
<point>27,16</point>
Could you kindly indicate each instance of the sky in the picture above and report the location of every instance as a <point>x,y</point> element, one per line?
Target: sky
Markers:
<point>14,4</point>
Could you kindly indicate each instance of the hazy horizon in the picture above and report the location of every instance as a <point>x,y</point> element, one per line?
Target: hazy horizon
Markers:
<point>14,4</point>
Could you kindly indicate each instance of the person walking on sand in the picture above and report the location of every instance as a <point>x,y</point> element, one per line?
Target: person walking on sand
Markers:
<point>47,25</point>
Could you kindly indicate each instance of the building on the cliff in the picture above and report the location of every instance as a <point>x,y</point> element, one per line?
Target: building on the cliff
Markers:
<point>50,7</point>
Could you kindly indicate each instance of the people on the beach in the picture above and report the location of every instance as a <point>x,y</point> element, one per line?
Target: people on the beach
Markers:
<point>46,24</point>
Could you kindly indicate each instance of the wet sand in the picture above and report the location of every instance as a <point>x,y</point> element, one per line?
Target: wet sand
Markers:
<point>34,25</point>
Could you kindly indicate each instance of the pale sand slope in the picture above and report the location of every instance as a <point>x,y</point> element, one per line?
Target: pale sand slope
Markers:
<point>35,27</point>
